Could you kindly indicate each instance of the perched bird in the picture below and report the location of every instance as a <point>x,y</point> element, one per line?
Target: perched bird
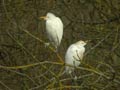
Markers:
<point>74,55</point>
<point>54,29</point>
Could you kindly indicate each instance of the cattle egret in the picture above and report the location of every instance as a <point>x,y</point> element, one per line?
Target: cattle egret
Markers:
<point>74,55</point>
<point>54,29</point>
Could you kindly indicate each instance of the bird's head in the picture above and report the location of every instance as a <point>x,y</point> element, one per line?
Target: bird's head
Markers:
<point>48,16</point>
<point>82,43</point>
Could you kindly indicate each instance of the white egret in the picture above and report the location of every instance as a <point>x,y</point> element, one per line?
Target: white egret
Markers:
<point>74,55</point>
<point>54,29</point>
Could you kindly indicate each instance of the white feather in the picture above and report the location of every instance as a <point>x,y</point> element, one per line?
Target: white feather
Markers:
<point>54,29</point>
<point>74,55</point>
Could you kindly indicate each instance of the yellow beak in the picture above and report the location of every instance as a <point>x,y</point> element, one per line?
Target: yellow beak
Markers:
<point>43,17</point>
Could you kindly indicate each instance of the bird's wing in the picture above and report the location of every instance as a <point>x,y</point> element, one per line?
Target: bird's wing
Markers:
<point>50,30</point>
<point>75,53</point>
<point>59,29</point>
<point>80,52</point>
<point>71,58</point>
<point>71,54</point>
<point>55,30</point>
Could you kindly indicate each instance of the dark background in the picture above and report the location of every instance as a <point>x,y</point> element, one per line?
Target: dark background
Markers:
<point>22,38</point>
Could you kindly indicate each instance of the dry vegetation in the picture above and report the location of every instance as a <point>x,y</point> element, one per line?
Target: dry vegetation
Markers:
<point>25,63</point>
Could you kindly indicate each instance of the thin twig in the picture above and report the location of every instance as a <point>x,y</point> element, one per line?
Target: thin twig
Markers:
<point>101,41</point>
<point>5,85</point>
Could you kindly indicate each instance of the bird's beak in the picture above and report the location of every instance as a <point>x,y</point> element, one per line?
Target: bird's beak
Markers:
<point>43,17</point>
<point>87,41</point>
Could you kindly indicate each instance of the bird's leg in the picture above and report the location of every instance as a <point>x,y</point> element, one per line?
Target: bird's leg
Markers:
<point>75,80</point>
<point>71,78</point>
<point>75,77</point>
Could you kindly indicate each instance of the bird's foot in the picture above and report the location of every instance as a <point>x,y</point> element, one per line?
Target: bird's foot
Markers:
<point>56,50</point>
<point>75,78</point>
<point>47,44</point>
